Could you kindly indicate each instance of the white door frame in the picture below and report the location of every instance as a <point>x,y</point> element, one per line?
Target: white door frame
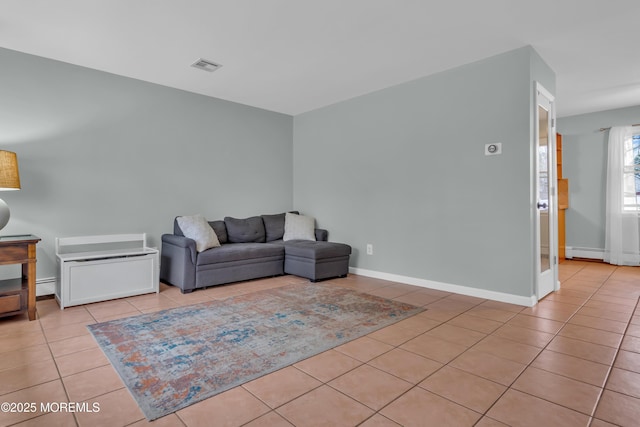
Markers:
<point>545,282</point>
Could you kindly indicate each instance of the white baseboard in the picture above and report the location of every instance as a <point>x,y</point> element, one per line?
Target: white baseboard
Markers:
<point>448,287</point>
<point>46,286</point>
<point>588,253</point>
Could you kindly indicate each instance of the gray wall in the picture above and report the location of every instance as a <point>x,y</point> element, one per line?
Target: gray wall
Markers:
<point>584,163</point>
<point>404,169</point>
<point>103,154</point>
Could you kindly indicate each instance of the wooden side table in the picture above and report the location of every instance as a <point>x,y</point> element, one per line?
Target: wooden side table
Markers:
<point>19,295</point>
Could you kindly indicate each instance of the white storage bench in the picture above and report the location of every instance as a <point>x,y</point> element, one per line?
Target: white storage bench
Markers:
<point>99,268</point>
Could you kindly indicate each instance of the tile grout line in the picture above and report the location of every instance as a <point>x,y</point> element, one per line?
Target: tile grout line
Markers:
<point>434,372</point>
<point>75,418</point>
<point>615,358</point>
<point>566,322</point>
<point>47,342</point>
<point>467,349</point>
<point>323,383</point>
<point>394,347</point>
<point>377,412</point>
<point>610,367</point>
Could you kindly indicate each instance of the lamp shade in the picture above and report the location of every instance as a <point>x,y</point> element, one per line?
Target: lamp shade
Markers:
<point>9,176</point>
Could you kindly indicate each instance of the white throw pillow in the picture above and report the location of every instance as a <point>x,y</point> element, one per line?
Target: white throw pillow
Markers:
<point>299,227</point>
<point>197,228</point>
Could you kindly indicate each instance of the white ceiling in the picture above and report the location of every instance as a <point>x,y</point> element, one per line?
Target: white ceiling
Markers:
<point>293,56</point>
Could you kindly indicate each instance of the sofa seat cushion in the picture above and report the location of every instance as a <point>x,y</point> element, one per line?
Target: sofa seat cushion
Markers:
<point>315,250</point>
<point>239,251</point>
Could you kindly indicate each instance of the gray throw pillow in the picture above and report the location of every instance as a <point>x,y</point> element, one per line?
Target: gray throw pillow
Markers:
<point>197,228</point>
<point>299,227</point>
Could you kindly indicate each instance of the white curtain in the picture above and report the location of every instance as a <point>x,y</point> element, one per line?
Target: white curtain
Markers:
<point>622,241</point>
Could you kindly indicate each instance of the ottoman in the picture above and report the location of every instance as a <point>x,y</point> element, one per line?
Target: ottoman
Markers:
<point>316,260</point>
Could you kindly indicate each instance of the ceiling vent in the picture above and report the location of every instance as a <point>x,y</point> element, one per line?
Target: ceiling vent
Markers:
<point>206,65</point>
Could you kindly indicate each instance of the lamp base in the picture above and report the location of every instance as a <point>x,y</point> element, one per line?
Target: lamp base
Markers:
<point>4,214</point>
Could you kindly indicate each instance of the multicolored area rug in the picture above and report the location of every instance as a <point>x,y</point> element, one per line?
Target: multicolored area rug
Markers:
<point>174,358</point>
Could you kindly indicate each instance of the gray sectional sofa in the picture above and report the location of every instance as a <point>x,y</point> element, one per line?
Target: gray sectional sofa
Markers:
<point>250,248</point>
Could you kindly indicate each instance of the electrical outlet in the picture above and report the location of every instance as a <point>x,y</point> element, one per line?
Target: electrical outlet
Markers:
<point>369,249</point>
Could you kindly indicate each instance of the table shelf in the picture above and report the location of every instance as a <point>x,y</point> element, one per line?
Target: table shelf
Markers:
<point>18,295</point>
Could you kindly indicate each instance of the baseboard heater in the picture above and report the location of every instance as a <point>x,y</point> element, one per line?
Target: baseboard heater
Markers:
<point>588,253</point>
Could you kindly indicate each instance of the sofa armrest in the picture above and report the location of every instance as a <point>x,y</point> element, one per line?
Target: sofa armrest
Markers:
<point>322,235</point>
<point>182,242</point>
<point>178,261</point>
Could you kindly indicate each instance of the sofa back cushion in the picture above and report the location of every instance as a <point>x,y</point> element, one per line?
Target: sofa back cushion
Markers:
<point>221,230</point>
<point>218,226</point>
<point>274,226</point>
<point>246,230</point>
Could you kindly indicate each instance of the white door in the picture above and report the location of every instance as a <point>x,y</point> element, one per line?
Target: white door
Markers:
<point>545,190</point>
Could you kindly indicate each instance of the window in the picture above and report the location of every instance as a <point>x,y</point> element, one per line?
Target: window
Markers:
<point>631,190</point>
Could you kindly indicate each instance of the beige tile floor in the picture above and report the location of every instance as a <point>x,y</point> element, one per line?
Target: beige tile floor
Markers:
<point>573,360</point>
